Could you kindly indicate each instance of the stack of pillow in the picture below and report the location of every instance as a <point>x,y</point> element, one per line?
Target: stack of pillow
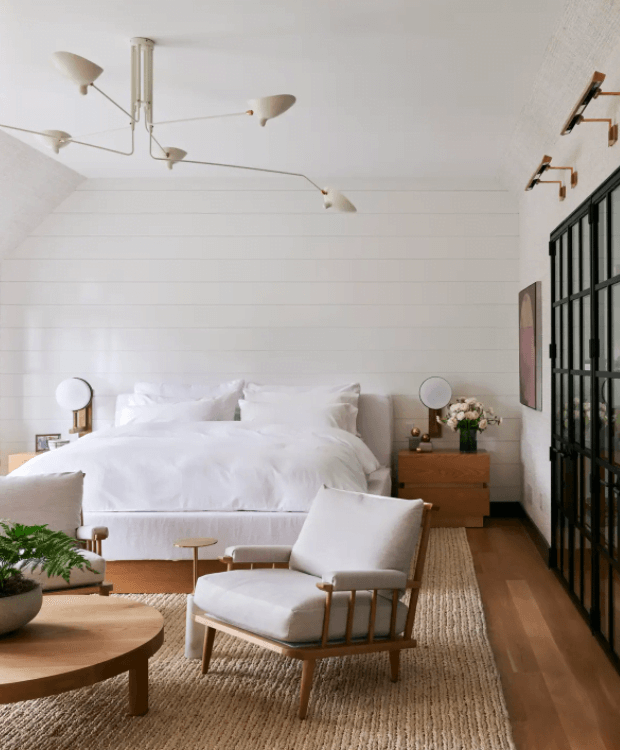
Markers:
<point>304,406</point>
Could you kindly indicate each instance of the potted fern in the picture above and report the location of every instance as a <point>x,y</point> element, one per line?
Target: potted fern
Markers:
<point>53,552</point>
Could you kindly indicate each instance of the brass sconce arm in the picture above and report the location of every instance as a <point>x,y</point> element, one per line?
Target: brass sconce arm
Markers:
<point>592,91</point>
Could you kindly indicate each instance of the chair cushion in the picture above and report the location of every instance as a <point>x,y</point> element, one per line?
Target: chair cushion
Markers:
<point>287,606</point>
<point>78,577</point>
<point>355,531</point>
<point>54,499</point>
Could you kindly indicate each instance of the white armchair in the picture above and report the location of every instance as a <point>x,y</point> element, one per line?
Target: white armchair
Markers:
<point>340,595</point>
<point>56,500</point>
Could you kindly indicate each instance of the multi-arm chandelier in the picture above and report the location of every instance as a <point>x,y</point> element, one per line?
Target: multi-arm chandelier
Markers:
<point>84,73</point>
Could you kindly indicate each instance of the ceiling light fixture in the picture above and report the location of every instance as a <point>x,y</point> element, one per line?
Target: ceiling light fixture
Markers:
<point>84,73</point>
<point>592,91</point>
<point>544,165</point>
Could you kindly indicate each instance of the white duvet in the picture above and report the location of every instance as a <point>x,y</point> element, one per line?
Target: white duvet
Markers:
<point>225,466</point>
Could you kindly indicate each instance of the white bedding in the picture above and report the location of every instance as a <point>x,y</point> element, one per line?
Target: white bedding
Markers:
<point>202,466</point>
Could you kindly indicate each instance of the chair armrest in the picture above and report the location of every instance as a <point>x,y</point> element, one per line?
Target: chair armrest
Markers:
<point>365,580</point>
<point>90,533</point>
<point>258,553</point>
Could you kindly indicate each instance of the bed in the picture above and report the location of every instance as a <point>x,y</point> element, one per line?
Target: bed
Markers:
<point>143,521</point>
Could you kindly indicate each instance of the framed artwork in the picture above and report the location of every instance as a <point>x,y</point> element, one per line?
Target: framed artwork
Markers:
<point>530,347</point>
<point>41,442</point>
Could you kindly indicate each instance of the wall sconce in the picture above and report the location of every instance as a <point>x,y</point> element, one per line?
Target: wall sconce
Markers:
<point>544,165</point>
<point>592,91</point>
<point>76,394</point>
<point>435,393</point>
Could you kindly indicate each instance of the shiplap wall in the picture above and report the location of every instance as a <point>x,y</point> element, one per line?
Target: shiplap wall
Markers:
<point>176,280</point>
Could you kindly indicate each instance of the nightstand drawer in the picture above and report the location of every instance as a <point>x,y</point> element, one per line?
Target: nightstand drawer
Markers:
<point>451,500</point>
<point>443,468</point>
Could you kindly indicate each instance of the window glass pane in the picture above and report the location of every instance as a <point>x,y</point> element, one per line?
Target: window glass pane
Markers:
<point>587,519</point>
<point>615,330</point>
<point>604,389</point>
<point>577,407</point>
<point>615,232</point>
<point>556,271</point>
<point>604,589</point>
<point>576,255</point>
<point>602,329</point>
<point>576,337</point>
<point>614,423</point>
<point>564,246</point>
<point>565,406</point>
<point>577,565</point>
<point>557,411</point>
<point>586,398</point>
<point>565,337</point>
<point>586,333</point>
<point>587,574</point>
<point>602,240</point>
<point>585,253</point>
<point>616,610</point>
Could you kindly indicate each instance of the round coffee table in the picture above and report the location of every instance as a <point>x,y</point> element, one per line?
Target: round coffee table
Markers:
<point>77,641</point>
<point>195,543</point>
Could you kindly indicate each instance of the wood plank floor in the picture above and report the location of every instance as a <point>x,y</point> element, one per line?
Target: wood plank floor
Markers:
<point>562,692</point>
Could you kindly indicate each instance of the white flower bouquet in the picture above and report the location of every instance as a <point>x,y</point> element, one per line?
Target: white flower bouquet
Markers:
<point>469,416</point>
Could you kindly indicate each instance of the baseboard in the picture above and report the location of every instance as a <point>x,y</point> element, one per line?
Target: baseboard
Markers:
<point>535,534</point>
<point>506,510</point>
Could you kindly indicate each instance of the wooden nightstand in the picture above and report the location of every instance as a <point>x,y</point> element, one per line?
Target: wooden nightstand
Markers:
<point>456,482</point>
<point>18,459</point>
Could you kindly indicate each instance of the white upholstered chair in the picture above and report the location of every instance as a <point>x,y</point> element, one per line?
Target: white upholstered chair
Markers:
<point>56,500</point>
<point>340,595</point>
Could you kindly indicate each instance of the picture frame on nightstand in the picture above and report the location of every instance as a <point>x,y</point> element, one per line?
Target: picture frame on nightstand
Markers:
<point>41,442</point>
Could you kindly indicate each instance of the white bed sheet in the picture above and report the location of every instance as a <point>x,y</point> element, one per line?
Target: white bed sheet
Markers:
<point>150,536</point>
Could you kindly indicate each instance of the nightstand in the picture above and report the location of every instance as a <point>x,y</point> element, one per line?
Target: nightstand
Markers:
<point>18,459</point>
<point>456,482</point>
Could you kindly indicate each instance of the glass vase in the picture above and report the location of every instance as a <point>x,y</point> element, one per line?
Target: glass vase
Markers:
<point>469,440</point>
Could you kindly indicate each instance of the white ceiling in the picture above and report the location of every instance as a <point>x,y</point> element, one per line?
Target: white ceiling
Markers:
<point>417,90</point>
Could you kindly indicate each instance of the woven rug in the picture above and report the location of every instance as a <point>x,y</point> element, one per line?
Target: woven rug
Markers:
<point>449,695</point>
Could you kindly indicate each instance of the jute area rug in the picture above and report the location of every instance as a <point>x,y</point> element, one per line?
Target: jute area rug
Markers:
<point>448,698</point>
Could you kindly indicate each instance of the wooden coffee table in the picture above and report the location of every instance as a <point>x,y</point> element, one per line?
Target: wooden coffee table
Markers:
<point>77,641</point>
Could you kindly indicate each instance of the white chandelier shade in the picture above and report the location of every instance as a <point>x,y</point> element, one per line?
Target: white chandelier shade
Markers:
<point>269,107</point>
<point>84,73</point>
<point>333,199</point>
<point>55,139</point>
<point>77,69</point>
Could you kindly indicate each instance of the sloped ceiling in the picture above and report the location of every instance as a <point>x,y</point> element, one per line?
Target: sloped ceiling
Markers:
<point>31,186</point>
<point>586,39</point>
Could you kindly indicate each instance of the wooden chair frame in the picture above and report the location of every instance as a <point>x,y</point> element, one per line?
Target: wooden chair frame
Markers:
<point>309,655</point>
<point>104,588</point>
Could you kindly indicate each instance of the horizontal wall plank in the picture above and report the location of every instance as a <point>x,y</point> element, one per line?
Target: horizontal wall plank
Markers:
<point>260,293</point>
<point>289,225</point>
<point>282,201</point>
<point>254,339</point>
<point>156,316</point>
<point>271,362</point>
<point>281,270</point>
<point>498,385</point>
<point>263,248</point>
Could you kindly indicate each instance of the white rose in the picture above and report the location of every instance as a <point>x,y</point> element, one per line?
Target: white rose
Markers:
<point>453,423</point>
<point>471,415</point>
<point>460,416</point>
<point>483,424</point>
<point>470,400</point>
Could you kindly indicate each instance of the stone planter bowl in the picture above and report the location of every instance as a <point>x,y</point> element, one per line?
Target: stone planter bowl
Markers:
<point>16,611</point>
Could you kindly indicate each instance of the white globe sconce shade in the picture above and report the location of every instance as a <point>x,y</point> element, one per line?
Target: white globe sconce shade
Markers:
<point>174,155</point>
<point>268,107</point>
<point>435,393</point>
<point>77,395</point>
<point>55,139</point>
<point>333,199</point>
<point>77,69</point>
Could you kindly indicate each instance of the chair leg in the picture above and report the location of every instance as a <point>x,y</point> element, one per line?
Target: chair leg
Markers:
<point>394,664</point>
<point>105,588</point>
<point>307,671</point>
<point>207,648</point>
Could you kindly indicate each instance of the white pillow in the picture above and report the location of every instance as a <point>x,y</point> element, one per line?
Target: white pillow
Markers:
<point>305,399</point>
<point>256,388</point>
<point>342,416</point>
<point>231,390</point>
<point>205,410</point>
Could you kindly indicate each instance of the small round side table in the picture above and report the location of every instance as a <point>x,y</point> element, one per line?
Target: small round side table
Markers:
<point>195,543</point>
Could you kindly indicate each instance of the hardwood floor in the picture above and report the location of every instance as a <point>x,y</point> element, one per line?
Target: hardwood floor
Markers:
<point>562,692</point>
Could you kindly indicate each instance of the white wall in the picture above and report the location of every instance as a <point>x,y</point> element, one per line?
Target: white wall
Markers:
<point>586,40</point>
<point>175,279</point>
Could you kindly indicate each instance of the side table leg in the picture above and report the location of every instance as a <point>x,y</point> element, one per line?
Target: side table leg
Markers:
<point>195,567</point>
<point>139,688</point>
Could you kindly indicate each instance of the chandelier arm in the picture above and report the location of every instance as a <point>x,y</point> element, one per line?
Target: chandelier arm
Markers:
<point>149,130</point>
<point>25,130</point>
<point>208,117</point>
<point>103,148</point>
<point>109,98</point>
<point>104,132</point>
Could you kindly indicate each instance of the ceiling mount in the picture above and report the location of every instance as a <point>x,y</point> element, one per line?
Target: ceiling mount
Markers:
<point>84,73</point>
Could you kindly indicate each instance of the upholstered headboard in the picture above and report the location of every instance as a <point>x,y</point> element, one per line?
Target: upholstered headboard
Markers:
<point>375,423</point>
